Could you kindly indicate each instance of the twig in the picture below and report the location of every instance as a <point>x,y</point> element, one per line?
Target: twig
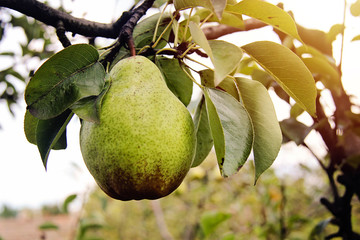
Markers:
<point>51,17</point>
<point>159,215</point>
<point>214,32</point>
<point>60,32</point>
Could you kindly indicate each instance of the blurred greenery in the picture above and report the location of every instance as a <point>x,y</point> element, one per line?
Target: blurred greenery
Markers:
<point>207,206</point>
<point>8,212</point>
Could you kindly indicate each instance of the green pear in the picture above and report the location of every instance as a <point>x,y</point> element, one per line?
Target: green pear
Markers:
<point>145,142</point>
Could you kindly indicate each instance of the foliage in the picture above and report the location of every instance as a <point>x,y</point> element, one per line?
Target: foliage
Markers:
<point>8,212</point>
<point>235,114</point>
<point>277,208</point>
<point>13,75</point>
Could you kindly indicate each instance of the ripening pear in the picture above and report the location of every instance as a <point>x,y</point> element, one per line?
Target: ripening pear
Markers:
<point>145,142</point>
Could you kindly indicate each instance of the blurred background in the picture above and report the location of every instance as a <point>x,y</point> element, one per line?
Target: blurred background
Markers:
<point>285,199</point>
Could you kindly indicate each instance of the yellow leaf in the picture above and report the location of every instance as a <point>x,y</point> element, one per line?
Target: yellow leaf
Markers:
<point>288,70</point>
<point>267,13</point>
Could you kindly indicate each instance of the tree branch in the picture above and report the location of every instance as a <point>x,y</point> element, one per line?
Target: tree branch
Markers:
<point>214,32</point>
<point>51,17</point>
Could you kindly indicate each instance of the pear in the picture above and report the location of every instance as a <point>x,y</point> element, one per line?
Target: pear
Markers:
<point>144,144</point>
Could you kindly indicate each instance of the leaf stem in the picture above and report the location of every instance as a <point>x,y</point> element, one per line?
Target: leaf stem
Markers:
<point>202,23</point>
<point>342,39</point>
<point>166,49</point>
<point>187,24</point>
<point>187,50</point>
<point>190,76</point>
<point>200,63</point>
<point>163,32</point>
<point>158,22</point>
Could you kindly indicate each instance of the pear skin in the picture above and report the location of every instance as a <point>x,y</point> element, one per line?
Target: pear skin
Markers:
<point>145,142</point>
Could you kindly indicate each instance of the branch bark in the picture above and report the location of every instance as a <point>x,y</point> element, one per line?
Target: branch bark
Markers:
<point>214,32</point>
<point>51,17</point>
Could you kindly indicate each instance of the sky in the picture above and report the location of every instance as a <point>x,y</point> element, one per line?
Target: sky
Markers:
<point>25,183</point>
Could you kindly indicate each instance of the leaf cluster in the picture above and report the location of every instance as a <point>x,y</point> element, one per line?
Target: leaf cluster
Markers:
<point>235,115</point>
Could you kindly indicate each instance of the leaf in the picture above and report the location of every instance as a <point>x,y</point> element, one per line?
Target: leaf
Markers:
<point>356,38</point>
<point>48,226</point>
<point>231,130</point>
<point>48,133</point>
<point>211,220</point>
<point>68,76</point>
<point>88,108</point>
<point>335,30</point>
<point>294,130</point>
<point>227,85</point>
<point>228,18</point>
<point>216,6</point>
<point>30,125</point>
<point>296,110</point>
<point>224,56</point>
<point>267,133</point>
<point>68,200</point>
<point>267,13</point>
<point>144,31</point>
<point>176,79</point>
<point>330,76</point>
<point>318,232</point>
<point>204,141</point>
<point>355,8</point>
<point>159,3</point>
<point>316,38</point>
<point>288,71</point>
<point>200,38</point>
<point>30,129</point>
<point>216,128</point>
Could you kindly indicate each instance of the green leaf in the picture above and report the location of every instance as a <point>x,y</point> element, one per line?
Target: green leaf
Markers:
<point>159,3</point>
<point>31,127</point>
<point>318,232</point>
<point>68,200</point>
<point>48,226</point>
<point>227,85</point>
<point>200,38</point>
<point>216,6</point>
<point>49,131</point>
<point>176,79</point>
<point>330,77</point>
<point>144,31</point>
<point>231,130</point>
<point>267,133</point>
<point>288,71</point>
<point>68,76</point>
<point>211,220</point>
<point>204,141</point>
<point>228,18</point>
<point>294,130</point>
<point>296,110</point>
<point>216,128</point>
<point>88,108</point>
<point>224,55</point>
<point>267,13</point>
